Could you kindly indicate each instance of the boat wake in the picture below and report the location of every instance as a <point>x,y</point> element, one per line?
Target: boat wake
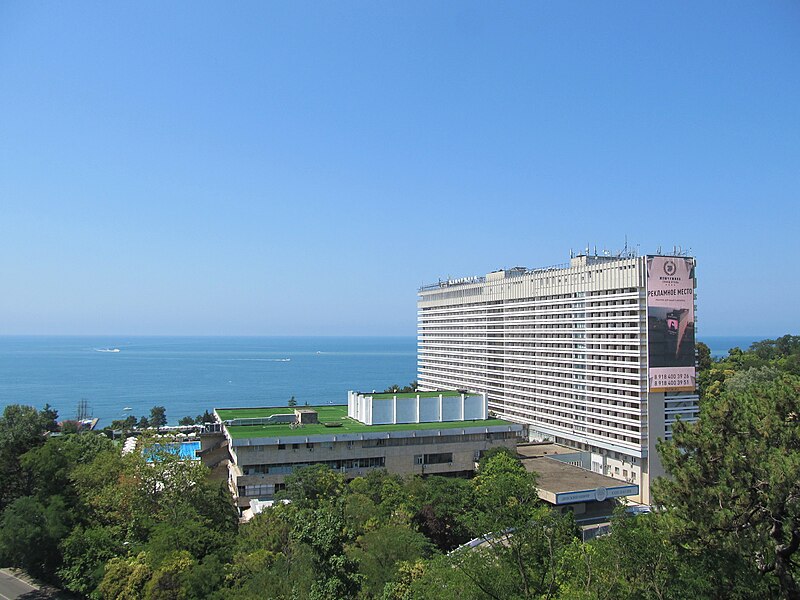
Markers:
<point>264,359</point>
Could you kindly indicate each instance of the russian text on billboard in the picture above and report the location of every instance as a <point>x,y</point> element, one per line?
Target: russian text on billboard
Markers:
<point>670,324</point>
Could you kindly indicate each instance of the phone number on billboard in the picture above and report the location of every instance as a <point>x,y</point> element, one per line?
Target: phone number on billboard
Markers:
<point>673,378</point>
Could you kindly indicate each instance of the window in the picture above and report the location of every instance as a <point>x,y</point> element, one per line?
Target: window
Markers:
<point>439,458</point>
<point>418,459</point>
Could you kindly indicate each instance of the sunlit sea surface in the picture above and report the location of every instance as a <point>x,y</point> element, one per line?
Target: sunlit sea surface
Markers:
<point>188,375</point>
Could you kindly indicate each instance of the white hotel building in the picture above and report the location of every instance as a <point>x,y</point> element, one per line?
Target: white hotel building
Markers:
<point>564,350</point>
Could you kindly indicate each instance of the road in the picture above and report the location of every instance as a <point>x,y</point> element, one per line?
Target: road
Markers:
<point>12,588</point>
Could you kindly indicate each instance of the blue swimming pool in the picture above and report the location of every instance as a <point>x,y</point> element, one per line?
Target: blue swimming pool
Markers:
<point>189,450</point>
<point>186,450</point>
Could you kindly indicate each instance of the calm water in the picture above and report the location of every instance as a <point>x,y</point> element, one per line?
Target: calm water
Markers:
<point>190,375</point>
<point>720,344</point>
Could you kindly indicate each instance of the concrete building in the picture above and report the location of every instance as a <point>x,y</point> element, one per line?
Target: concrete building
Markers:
<point>596,354</point>
<point>442,433</point>
<point>566,483</point>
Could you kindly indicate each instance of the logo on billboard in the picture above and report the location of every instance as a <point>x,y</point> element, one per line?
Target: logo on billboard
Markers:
<point>670,268</point>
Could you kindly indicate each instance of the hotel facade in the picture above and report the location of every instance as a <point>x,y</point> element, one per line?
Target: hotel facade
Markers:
<point>419,433</point>
<point>597,354</point>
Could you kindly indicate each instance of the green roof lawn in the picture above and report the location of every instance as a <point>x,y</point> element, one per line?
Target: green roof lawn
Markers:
<point>327,414</point>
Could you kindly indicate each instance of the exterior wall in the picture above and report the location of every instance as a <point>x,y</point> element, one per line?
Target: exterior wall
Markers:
<point>562,349</point>
<point>424,408</point>
<point>268,465</point>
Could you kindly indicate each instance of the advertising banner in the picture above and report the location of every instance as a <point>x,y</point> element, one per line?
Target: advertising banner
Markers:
<point>670,324</point>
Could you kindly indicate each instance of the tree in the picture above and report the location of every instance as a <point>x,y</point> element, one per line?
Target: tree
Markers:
<point>335,574</point>
<point>292,402</point>
<point>396,389</point>
<point>85,553</point>
<point>311,486</point>
<point>29,536</point>
<point>400,588</point>
<point>505,494</point>
<point>127,423</point>
<point>169,579</point>
<point>125,578</point>
<point>704,359</point>
<point>268,560</point>
<point>50,466</point>
<point>735,476</point>
<point>637,560</point>
<point>21,429</point>
<point>158,416</point>
<point>522,538</point>
<point>380,552</point>
<point>186,421</point>
<point>206,417</point>
<point>441,504</point>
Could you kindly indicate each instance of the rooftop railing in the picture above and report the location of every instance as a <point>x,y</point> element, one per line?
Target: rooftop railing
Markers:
<point>510,273</point>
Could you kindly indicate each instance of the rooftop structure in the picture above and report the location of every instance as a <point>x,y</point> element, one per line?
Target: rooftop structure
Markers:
<point>252,424</point>
<point>416,407</point>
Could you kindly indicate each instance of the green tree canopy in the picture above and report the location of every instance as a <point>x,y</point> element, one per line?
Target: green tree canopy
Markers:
<point>22,428</point>
<point>735,476</point>
<point>158,416</point>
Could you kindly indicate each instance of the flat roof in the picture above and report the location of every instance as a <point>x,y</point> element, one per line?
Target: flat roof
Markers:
<point>334,413</point>
<point>563,483</point>
<point>445,393</point>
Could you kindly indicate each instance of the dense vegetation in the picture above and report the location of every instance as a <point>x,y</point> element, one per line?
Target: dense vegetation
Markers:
<point>76,512</point>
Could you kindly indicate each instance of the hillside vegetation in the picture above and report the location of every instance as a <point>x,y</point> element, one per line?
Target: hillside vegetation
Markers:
<point>77,513</point>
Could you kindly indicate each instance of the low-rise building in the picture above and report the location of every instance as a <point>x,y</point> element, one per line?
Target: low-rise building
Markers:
<point>425,433</point>
<point>566,482</point>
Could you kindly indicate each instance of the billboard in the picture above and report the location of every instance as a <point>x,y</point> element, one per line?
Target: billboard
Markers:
<point>670,324</point>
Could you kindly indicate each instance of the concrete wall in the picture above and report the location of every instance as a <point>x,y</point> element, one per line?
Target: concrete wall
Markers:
<point>398,459</point>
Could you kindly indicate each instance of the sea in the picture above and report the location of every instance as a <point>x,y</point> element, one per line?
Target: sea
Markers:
<point>118,376</point>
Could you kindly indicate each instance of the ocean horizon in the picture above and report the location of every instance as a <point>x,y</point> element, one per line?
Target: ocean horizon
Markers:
<point>191,374</point>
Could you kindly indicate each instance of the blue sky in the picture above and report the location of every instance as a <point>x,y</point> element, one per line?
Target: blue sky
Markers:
<point>301,168</point>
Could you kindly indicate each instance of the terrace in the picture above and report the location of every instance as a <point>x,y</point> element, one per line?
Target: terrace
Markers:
<point>333,420</point>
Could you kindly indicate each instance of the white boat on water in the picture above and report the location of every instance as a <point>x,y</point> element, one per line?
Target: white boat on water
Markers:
<point>106,349</point>
<point>127,408</point>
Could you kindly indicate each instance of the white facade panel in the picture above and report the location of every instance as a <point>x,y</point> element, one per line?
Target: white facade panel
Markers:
<point>451,408</point>
<point>406,410</point>
<point>382,412</point>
